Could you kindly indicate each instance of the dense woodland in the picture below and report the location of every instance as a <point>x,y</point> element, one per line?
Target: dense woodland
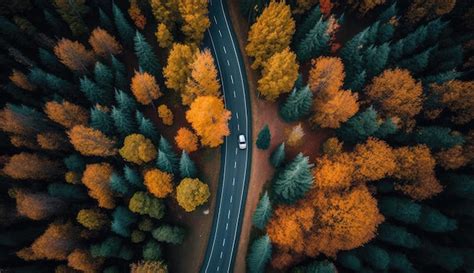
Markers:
<point>393,187</point>
<point>88,90</point>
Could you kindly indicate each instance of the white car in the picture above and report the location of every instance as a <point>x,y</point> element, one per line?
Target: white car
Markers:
<point>242,142</point>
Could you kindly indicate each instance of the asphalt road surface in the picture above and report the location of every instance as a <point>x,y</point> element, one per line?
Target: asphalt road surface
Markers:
<point>232,191</point>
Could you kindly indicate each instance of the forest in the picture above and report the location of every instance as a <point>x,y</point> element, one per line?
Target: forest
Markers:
<point>106,111</point>
<point>389,86</point>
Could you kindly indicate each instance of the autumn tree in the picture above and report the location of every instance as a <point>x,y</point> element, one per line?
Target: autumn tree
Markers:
<point>363,6</point>
<point>32,166</point>
<point>195,19</point>
<point>21,80</point>
<point>420,10</point>
<point>55,243</point>
<point>271,33</point>
<point>373,160</point>
<point>163,36</point>
<point>138,149</point>
<point>396,94</point>
<point>304,5</point>
<point>92,219</point>
<point>74,55</point>
<point>280,72</point>
<point>145,88</point>
<point>81,259</point>
<point>295,135</point>
<point>72,12</point>
<point>54,141</point>
<point>186,140</point>
<point>158,183</point>
<point>326,75</point>
<point>332,146</point>
<point>149,266</point>
<point>91,142</point>
<point>209,119</point>
<point>166,12</point>
<point>37,206</point>
<point>103,43</point>
<point>452,158</point>
<point>192,193</point>
<point>333,172</point>
<point>65,113</point>
<point>291,183</point>
<point>22,120</point>
<point>96,178</point>
<point>177,70</point>
<point>458,97</point>
<point>136,14</point>
<point>165,114</point>
<point>203,78</point>
<point>145,204</point>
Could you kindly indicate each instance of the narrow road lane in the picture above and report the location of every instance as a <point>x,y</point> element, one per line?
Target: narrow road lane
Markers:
<point>232,192</point>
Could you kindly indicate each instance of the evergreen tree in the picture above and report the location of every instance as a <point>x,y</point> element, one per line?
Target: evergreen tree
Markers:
<point>166,148</point>
<point>316,266</point>
<point>49,60</point>
<point>105,22</point>
<point>408,44</point>
<point>122,219</point>
<point>298,105</point>
<point>349,260</point>
<point>433,220</point>
<point>112,247</point>
<point>263,138</point>
<point>152,251</point>
<point>308,23</point>
<point>263,212</point>
<point>386,129</point>
<point>75,163</point>
<point>400,262</point>
<point>133,177</point>
<point>388,13</point>
<point>375,256</point>
<point>417,63</point>
<point>359,127</point>
<point>352,57</point>
<point>53,21</point>
<point>397,236</point>
<point>187,168</point>
<point>371,33</point>
<point>119,184</point>
<point>401,209</point>
<point>437,137</point>
<point>164,163</point>
<point>169,234</point>
<point>441,77</point>
<point>94,93</point>
<point>376,58</point>
<point>103,76</point>
<point>461,186</point>
<point>12,33</point>
<point>147,59</point>
<point>122,121</point>
<point>120,73</point>
<point>315,43</point>
<point>294,180</point>
<point>124,29</point>
<point>146,128</point>
<point>447,258</point>
<point>49,81</point>
<point>385,34</point>
<point>278,155</point>
<point>102,121</point>
<point>67,191</point>
<point>72,12</point>
<point>259,254</point>
<point>447,59</point>
<point>125,102</point>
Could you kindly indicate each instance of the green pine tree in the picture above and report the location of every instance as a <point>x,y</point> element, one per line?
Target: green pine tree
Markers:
<point>49,60</point>
<point>165,147</point>
<point>102,121</point>
<point>375,256</point>
<point>349,260</point>
<point>94,93</point>
<point>169,234</point>
<point>263,138</point>
<point>120,73</point>
<point>187,168</point>
<point>103,76</point>
<point>146,127</point>
<point>291,183</point>
<point>259,254</point>
<point>432,220</point>
<point>119,184</point>
<point>122,121</point>
<point>122,220</point>
<point>437,137</point>
<point>75,163</point>
<point>375,59</point>
<point>105,22</point>
<point>147,59</point>
<point>124,29</point>
<point>125,102</point>
<point>308,23</point>
<point>399,208</point>
<point>53,22</point>
<point>397,236</point>
<point>112,247</point>
<point>133,177</point>
<point>298,105</point>
<point>316,267</point>
<point>315,42</point>
<point>164,163</point>
<point>417,63</point>
<point>359,127</point>
<point>67,192</point>
<point>400,262</point>
<point>263,212</point>
<point>278,155</point>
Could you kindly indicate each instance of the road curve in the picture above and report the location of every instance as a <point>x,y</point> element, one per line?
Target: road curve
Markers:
<point>235,167</point>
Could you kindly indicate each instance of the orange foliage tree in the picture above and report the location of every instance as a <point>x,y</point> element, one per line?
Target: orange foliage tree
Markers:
<point>332,146</point>
<point>416,166</point>
<point>165,114</point>
<point>67,114</point>
<point>430,9</point>
<point>458,96</point>
<point>396,94</point>
<point>82,260</point>
<point>52,141</point>
<point>158,183</point>
<point>19,79</point>
<point>96,178</point>
<point>145,88</point>
<point>333,173</point>
<point>32,166</point>
<point>363,6</point>
<point>203,80</point>
<point>91,142</point>
<point>103,43</point>
<point>37,206</point>
<point>22,141</point>
<point>54,244</point>
<point>186,140</point>
<point>136,14</point>
<point>74,55</point>
<point>373,160</point>
<point>209,119</point>
<point>326,7</point>
<point>326,75</point>
<point>452,158</point>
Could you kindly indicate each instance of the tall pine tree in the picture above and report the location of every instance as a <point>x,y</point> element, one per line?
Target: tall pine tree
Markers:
<point>298,105</point>
<point>291,183</point>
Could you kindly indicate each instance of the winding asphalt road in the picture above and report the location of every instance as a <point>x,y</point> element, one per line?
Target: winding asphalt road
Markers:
<point>232,192</point>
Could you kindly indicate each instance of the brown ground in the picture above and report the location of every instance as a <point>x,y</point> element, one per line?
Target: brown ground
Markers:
<point>264,112</point>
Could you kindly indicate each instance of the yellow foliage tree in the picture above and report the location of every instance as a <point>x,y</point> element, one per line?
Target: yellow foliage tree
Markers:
<point>279,74</point>
<point>326,75</point>
<point>67,114</point>
<point>74,55</point>
<point>158,183</point>
<point>209,119</point>
<point>195,19</point>
<point>458,96</point>
<point>137,149</point>
<point>192,193</point>
<point>91,142</point>
<point>148,267</point>
<point>165,114</point>
<point>165,11</point>
<point>334,173</point>
<point>96,178</point>
<point>92,219</point>
<point>186,140</point>
<point>271,33</point>
<point>373,160</point>
<point>396,94</point>
<point>144,88</point>
<point>103,43</point>
<point>177,70</point>
<point>332,146</point>
<point>203,80</point>
<point>20,80</point>
<point>164,36</point>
